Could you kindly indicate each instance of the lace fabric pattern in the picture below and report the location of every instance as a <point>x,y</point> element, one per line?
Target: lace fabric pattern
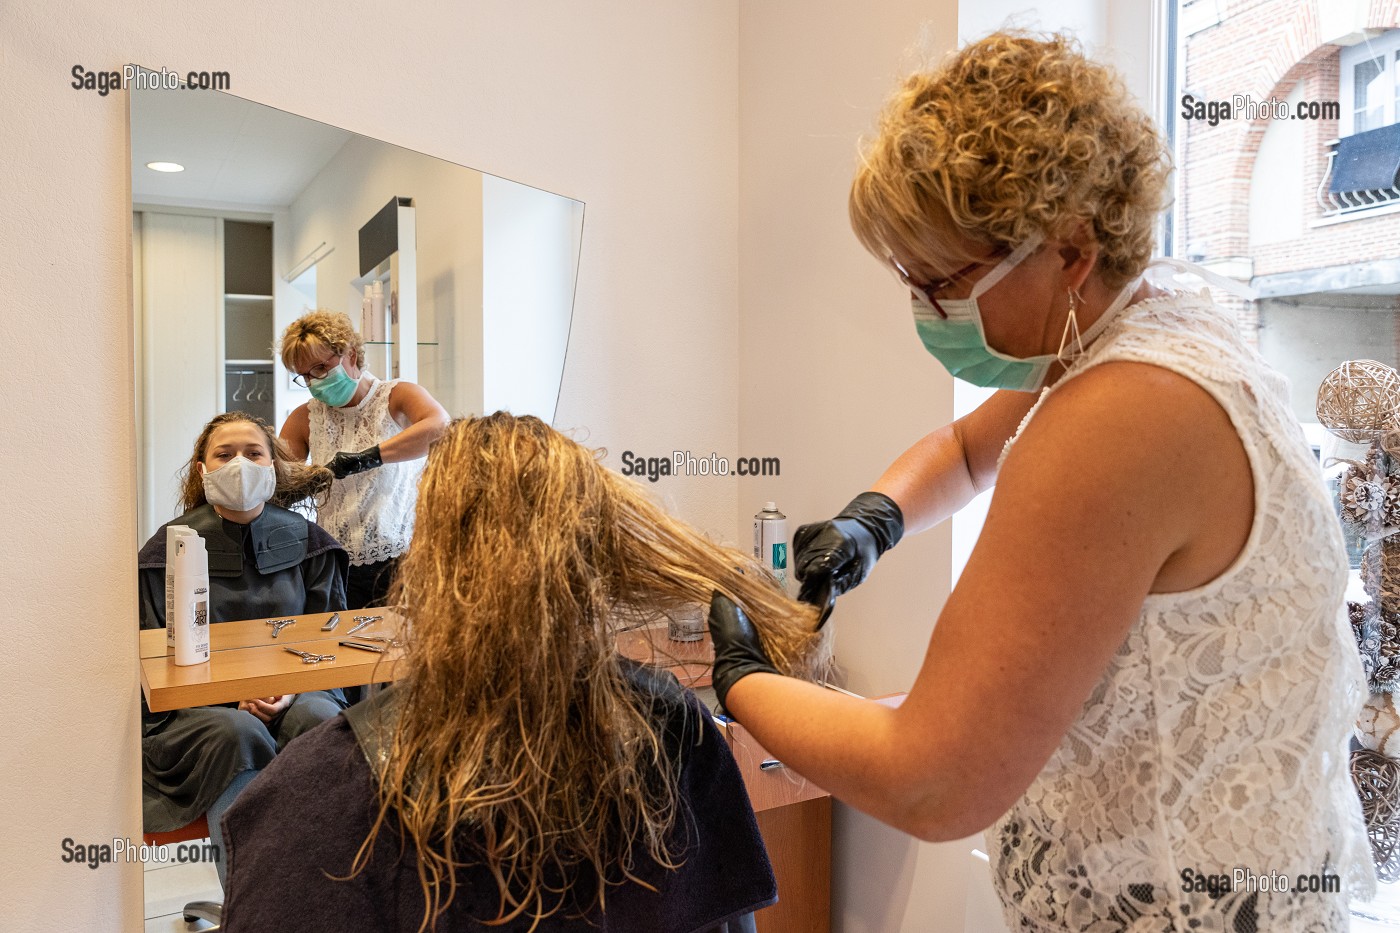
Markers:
<point>1218,736</point>
<point>369,513</point>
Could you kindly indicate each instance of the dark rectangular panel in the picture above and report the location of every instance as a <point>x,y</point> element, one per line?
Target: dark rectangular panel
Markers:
<point>379,239</point>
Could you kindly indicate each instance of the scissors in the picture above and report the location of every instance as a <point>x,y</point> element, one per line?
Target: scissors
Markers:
<point>826,599</point>
<point>279,624</point>
<point>392,642</point>
<point>361,622</point>
<point>308,657</point>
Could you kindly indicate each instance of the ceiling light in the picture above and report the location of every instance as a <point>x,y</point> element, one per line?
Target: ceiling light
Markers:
<point>165,166</point>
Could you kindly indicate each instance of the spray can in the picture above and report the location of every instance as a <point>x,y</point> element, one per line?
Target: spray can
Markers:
<point>172,532</point>
<point>770,541</point>
<point>191,596</point>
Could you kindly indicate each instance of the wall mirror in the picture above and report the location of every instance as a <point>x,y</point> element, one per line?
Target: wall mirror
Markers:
<point>244,217</point>
<point>266,220</point>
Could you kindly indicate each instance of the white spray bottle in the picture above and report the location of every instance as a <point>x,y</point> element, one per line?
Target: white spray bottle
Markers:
<point>172,532</point>
<point>191,617</point>
<point>770,541</point>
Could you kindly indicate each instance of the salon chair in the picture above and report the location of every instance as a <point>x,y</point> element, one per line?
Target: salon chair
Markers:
<point>209,911</point>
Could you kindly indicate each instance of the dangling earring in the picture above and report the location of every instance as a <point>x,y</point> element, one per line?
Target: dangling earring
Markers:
<point>1071,324</point>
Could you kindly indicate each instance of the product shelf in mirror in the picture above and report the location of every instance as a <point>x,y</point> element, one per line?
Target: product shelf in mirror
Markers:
<point>390,343</point>
<point>247,362</point>
<point>238,296</point>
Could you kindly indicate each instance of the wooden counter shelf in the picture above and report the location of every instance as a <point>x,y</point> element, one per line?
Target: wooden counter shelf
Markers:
<point>245,661</point>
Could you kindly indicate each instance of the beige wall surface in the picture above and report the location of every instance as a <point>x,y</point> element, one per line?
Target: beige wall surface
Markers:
<point>630,107</point>
<point>834,380</point>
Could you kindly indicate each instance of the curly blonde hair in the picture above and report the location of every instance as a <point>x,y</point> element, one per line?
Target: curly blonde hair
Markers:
<point>1012,135</point>
<point>515,720</point>
<point>318,330</point>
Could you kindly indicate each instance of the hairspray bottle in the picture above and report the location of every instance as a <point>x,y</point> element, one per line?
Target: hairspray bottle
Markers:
<point>191,617</point>
<point>172,532</point>
<point>770,541</point>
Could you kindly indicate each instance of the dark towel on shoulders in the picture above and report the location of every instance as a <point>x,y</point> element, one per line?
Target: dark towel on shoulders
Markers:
<point>281,538</point>
<point>302,821</point>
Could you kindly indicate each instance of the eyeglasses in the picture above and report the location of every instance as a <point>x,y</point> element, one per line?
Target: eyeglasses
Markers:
<point>927,290</point>
<point>316,372</point>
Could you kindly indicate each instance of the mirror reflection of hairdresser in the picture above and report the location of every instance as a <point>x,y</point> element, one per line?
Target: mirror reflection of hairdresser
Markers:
<point>265,561</point>
<point>522,775</point>
<point>372,435</point>
<point>1146,667</point>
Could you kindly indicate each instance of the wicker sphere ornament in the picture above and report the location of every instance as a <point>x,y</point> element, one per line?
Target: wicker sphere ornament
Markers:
<point>1377,780</point>
<point>1359,400</point>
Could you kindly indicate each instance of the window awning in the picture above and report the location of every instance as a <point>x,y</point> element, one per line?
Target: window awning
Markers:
<point>1367,161</point>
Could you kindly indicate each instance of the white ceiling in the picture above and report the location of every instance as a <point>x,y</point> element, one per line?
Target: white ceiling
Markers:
<point>236,154</point>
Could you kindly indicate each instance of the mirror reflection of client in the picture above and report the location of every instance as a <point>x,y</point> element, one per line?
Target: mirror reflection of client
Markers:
<point>522,773</point>
<point>264,561</point>
<point>372,435</point>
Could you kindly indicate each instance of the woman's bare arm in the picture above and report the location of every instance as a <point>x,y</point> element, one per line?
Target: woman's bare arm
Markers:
<point>1124,467</point>
<point>296,432</point>
<point>425,420</point>
<point>945,470</point>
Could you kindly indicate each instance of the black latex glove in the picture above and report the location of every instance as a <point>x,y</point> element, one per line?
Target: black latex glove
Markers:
<point>738,649</point>
<point>346,464</point>
<point>834,556</point>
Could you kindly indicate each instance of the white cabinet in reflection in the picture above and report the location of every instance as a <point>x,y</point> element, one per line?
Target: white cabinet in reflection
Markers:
<point>204,304</point>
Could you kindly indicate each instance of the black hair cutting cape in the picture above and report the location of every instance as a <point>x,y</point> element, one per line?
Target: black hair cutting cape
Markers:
<point>305,817</point>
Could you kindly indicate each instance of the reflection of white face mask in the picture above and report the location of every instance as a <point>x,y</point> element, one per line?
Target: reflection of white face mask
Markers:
<point>240,484</point>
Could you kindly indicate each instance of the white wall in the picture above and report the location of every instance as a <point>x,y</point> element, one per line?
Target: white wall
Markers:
<point>1276,200</point>
<point>354,185</point>
<point>181,355</point>
<point>630,107</point>
<point>529,244</point>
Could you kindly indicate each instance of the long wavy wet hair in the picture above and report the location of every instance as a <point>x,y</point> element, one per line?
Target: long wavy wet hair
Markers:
<point>516,722</point>
<point>296,482</point>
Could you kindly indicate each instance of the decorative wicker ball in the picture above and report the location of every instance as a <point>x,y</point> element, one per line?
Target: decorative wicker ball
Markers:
<point>1377,780</point>
<point>1359,400</point>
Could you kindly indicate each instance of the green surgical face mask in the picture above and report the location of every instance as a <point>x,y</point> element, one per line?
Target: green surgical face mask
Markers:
<point>335,388</point>
<point>959,341</point>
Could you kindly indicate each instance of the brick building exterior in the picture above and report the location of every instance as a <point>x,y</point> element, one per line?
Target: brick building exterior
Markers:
<point>1253,196</point>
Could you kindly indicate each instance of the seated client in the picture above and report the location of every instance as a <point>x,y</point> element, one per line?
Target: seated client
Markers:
<point>264,561</point>
<point>521,775</point>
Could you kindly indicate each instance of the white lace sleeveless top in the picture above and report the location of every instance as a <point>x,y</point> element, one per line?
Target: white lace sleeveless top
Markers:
<point>1218,737</point>
<point>369,513</point>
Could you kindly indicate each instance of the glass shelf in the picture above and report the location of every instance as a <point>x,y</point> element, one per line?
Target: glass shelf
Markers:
<point>390,343</point>
<point>234,296</point>
<point>247,362</point>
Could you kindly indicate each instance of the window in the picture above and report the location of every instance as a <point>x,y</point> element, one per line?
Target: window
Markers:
<point>1370,83</point>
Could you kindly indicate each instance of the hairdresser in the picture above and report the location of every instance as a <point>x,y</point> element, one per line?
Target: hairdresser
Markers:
<point>1145,665</point>
<point>372,435</point>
